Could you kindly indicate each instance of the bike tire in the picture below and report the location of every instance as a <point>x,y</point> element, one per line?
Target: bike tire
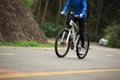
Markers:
<point>87,43</point>
<point>58,51</point>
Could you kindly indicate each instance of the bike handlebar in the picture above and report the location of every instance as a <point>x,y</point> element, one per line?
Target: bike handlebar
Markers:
<point>71,14</point>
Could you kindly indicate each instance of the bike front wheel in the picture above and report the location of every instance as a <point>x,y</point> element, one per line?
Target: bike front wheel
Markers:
<point>61,45</point>
<point>82,54</point>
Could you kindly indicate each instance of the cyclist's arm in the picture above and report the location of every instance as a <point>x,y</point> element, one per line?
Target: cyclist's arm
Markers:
<point>67,6</point>
<point>84,4</point>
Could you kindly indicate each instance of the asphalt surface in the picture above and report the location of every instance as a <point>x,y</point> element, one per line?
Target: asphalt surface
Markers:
<point>18,63</point>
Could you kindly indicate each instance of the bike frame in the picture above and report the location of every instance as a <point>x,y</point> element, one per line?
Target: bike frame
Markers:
<point>67,38</point>
<point>71,33</point>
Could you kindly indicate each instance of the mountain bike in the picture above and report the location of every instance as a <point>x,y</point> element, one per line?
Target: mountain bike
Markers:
<point>68,38</point>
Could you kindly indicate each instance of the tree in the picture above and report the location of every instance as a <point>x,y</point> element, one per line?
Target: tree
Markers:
<point>98,13</point>
<point>44,12</point>
<point>102,13</point>
<point>39,11</point>
<point>58,13</point>
<point>17,23</point>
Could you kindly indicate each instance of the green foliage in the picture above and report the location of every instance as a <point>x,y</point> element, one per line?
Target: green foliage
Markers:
<point>29,3</point>
<point>112,33</point>
<point>94,37</point>
<point>50,29</point>
<point>27,44</point>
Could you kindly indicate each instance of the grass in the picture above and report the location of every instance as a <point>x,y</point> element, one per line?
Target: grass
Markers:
<point>27,44</point>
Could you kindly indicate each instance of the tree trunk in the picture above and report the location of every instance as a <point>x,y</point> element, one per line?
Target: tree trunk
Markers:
<point>98,7</point>
<point>58,14</point>
<point>39,10</point>
<point>34,6</point>
<point>99,17</point>
<point>17,23</point>
<point>44,13</point>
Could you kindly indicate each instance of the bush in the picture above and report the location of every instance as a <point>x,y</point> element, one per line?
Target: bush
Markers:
<point>50,29</point>
<point>95,37</point>
<point>113,36</point>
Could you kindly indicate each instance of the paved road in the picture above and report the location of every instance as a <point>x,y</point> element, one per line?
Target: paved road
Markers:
<point>42,64</point>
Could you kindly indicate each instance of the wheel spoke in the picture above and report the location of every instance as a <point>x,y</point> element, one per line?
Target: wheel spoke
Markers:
<point>82,53</point>
<point>61,45</point>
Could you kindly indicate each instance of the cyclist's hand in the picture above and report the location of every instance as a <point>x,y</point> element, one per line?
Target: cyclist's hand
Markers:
<point>81,15</point>
<point>63,13</point>
<point>71,13</point>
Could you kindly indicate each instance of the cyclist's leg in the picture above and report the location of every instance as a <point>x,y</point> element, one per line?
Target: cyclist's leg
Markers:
<point>72,18</point>
<point>67,22</point>
<point>69,26</point>
<point>81,30</point>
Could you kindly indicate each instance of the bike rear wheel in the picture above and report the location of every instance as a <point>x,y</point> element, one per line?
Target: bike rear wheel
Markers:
<point>61,46</point>
<point>86,46</point>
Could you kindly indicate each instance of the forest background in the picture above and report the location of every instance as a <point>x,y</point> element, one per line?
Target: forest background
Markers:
<point>103,18</point>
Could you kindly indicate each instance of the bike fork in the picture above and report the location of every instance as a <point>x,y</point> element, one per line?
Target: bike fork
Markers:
<point>68,36</point>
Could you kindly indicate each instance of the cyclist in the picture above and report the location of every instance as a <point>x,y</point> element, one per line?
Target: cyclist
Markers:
<point>79,8</point>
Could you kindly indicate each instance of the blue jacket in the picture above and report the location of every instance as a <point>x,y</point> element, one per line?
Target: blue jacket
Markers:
<point>79,6</point>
